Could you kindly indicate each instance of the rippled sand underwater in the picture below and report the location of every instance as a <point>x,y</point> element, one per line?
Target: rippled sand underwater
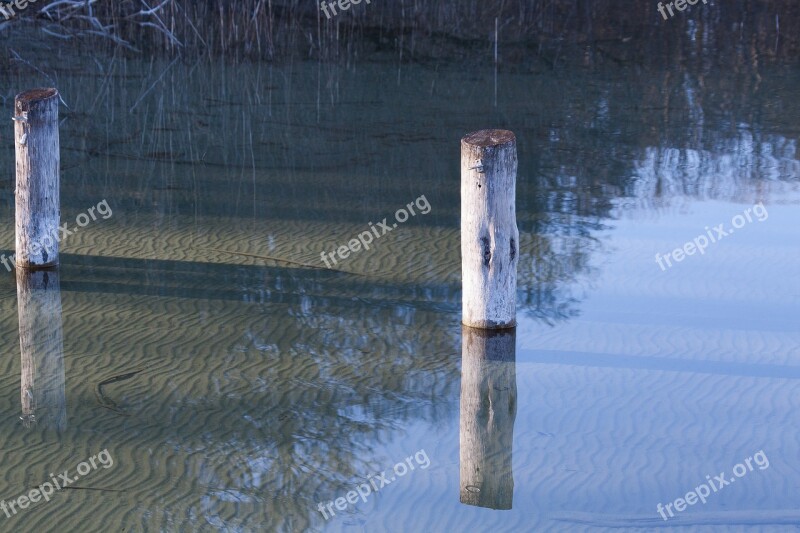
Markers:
<point>237,383</point>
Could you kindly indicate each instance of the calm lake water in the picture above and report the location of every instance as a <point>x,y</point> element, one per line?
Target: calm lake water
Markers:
<point>237,384</point>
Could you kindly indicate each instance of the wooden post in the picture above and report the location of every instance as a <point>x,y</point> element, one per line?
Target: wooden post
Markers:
<point>489,234</point>
<point>42,347</point>
<point>38,209</point>
<point>488,411</point>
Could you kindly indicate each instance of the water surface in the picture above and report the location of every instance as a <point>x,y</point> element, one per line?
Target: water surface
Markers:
<point>237,383</point>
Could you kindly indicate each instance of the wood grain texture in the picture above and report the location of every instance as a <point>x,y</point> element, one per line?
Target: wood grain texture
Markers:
<point>489,234</point>
<point>37,192</point>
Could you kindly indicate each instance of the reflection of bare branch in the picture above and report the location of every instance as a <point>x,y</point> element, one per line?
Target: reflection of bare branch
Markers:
<point>19,58</point>
<point>70,3</point>
<point>163,30</point>
<point>150,11</point>
<point>58,35</point>
<point>80,19</point>
<point>139,100</point>
<point>114,39</point>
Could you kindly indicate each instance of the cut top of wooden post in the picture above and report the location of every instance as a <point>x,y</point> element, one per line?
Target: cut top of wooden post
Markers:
<point>28,102</point>
<point>487,138</point>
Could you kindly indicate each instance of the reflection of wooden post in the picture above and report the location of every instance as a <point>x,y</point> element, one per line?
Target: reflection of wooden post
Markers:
<point>42,346</point>
<point>489,234</point>
<point>37,192</point>
<point>488,410</point>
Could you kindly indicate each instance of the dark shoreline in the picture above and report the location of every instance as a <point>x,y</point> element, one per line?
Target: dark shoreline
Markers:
<point>541,34</point>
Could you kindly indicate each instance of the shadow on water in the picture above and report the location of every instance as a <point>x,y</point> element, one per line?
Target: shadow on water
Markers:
<point>274,406</point>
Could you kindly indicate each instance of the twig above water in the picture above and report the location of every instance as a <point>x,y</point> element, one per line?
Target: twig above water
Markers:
<point>104,400</point>
<point>96,488</point>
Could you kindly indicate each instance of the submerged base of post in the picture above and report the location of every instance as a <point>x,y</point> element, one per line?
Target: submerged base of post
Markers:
<point>488,410</point>
<point>41,345</point>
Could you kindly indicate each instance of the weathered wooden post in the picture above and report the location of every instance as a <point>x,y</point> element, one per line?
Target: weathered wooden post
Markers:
<point>489,234</point>
<point>488,411</point>
<point>37,193</point>
<point>42,347</point>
